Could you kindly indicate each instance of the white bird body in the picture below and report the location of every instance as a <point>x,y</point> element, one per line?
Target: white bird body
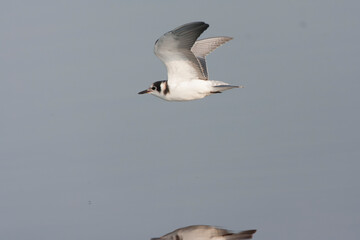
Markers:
<point>189,90</point>
<point>184,58</point>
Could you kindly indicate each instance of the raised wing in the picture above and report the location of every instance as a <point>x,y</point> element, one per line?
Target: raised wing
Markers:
<point>203,47</point>
<point>173,49</point>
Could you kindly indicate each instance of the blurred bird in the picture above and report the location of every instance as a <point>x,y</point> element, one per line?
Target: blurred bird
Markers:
<point>204,232</point>
<point>184,58</point>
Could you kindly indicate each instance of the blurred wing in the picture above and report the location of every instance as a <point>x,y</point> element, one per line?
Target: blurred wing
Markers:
<point>203,47</point>
<point>173,49</point>
<point>241,235</point>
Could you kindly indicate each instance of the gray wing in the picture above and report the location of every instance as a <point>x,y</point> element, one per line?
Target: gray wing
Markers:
<point>173,49</point>
<point>203,47</point>
<point>241,235</point>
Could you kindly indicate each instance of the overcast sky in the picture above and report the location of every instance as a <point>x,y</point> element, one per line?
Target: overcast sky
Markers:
<point>83,156</point>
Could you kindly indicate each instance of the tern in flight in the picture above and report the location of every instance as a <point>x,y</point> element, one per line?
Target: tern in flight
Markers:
<point>184,58</point>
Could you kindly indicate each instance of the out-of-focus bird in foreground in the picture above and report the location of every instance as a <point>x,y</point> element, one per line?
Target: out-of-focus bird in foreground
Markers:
<point>205,232</point>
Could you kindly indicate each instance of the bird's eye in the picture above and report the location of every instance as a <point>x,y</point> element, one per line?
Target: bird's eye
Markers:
<point>153,88</point>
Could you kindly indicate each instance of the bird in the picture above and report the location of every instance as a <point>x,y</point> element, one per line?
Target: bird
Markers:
<point>205,232</point>
<point>184,58</point>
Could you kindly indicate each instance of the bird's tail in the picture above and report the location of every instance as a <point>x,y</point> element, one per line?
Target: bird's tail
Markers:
<point>241,235</point>
<point>221,88</point>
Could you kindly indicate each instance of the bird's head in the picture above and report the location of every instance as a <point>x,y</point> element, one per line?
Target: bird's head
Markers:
<point>158,89</point>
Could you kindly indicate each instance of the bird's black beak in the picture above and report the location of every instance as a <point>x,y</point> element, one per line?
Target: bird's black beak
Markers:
<point>145,91</point>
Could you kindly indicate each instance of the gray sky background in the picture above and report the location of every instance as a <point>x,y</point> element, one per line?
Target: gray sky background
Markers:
<point>281,155</point>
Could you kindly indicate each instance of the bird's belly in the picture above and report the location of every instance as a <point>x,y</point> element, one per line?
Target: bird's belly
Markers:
<point>189,91</point>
